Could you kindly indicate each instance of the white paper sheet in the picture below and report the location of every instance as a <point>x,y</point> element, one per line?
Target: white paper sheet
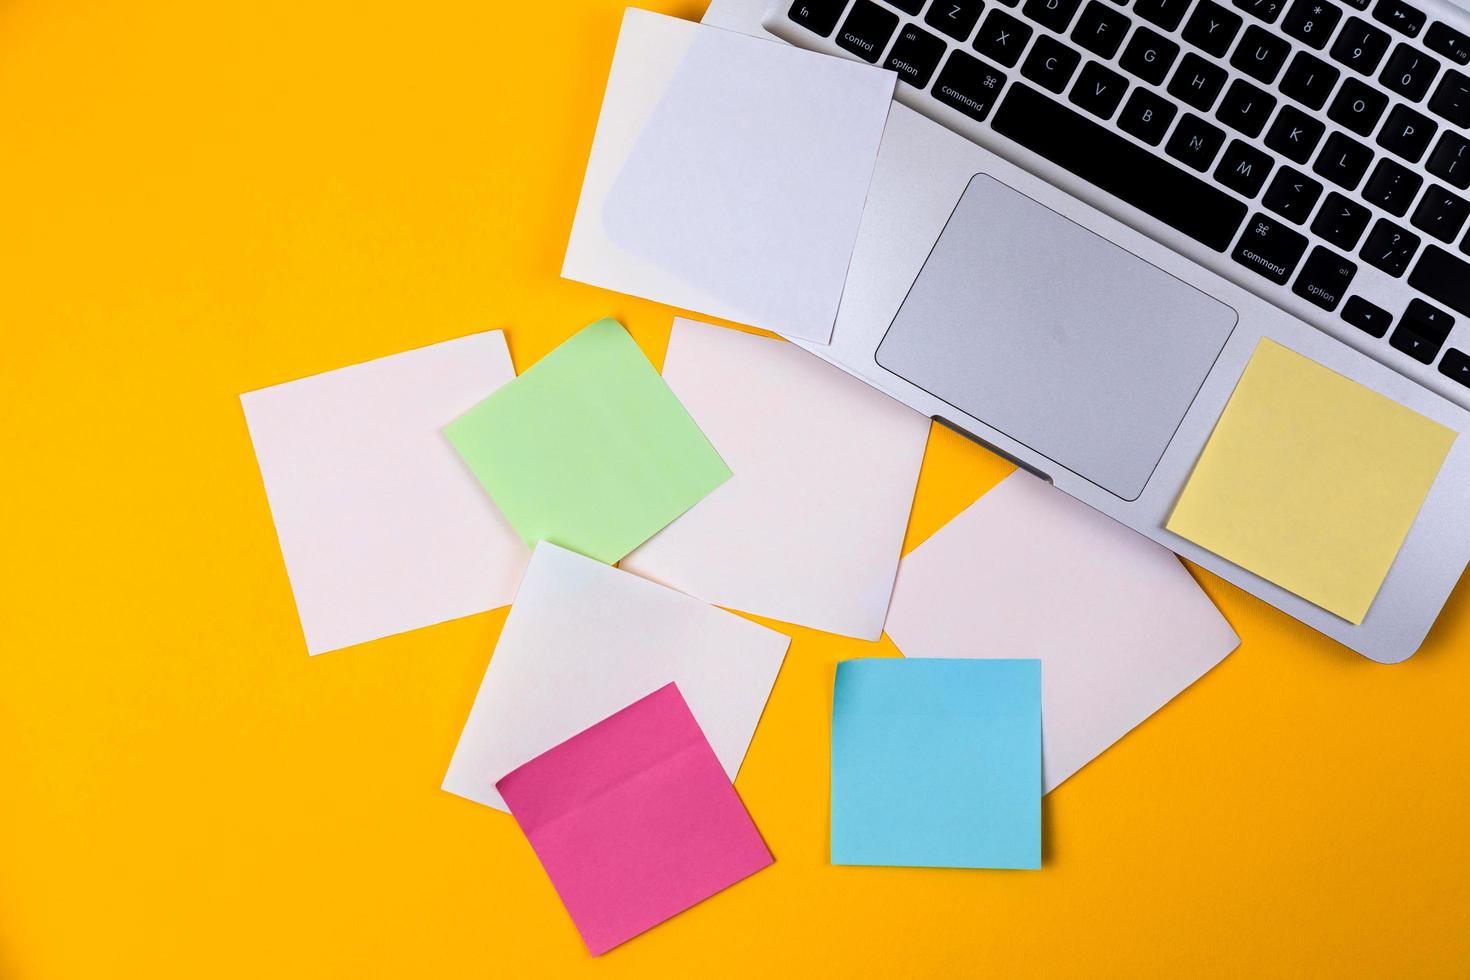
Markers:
<point>728,174</point>
<point>382,527</point>
<point>1027,571</point>
<point>583,641</point>
<point>810,527</point>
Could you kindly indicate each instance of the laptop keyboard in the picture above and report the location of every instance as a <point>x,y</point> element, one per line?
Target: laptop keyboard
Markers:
<point>1134,97</point>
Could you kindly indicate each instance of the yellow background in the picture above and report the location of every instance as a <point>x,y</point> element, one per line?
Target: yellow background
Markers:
<point>198,199</point>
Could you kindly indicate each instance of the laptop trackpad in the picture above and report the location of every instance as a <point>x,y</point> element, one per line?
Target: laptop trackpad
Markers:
<point>1055,336</point>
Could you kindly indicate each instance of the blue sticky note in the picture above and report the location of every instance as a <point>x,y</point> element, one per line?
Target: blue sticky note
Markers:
<point>937,763</point>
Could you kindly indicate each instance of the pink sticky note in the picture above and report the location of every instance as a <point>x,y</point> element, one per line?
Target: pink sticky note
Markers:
<point>634,820</point>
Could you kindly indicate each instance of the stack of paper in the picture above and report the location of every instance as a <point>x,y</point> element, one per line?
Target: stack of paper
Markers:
<point>615,711</point>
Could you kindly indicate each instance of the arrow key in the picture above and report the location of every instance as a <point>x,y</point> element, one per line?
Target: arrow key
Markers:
<point>1422,330</point>
<point>1456,364</point>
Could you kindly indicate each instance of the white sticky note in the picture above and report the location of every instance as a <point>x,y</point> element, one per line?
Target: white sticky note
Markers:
<point>1026,571</point>
<point>382,527</point>
<point>583,641</point>
<point>810,527</point>
<point>728,174</point>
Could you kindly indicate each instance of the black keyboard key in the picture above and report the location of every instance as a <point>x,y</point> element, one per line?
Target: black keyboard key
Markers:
<point>1341,221</point>
<point>1195,142</point>
<point>867,29</point>
<point>1312,21</point>
<point>907,6</point>
<point>1372,320</point>
<point>957,17</point>
<point>915,55</point>
<point>1260,54</point>
<point>1357,107</point>
<point>1343,161</point>
<point>1136,176</point>
<point>1147,116</point>
<point>1444,278</point>
<point>1054,15</point>
<point>1427,321</point>
<point>969,85</point>
<point>1267,10</point>
<point>1409,72</point>
<point>1197,82</point>
<point>1389,247</point>
<point>1149,55</point>
<point>1359,4</point>
<point>1270,248</point>
<point>1392,187</point>
<point>1325,278</point>
<point>1294,134</point>
<point>1450,161</point>
<point>1050,63</point>
<point>817,16</point>
<point>1100,29</point>
<point>1400,16</point>
<point>1440,213</point>
<point>1422,331</point>
<point>1292,195</point>
<point>1002,38</point>
<point>1098,90</point>
<point>1406,133</point>
<point>1164,13</point>
<point>1309,80</point>
<point>1211,28</point>
<point>1452,98</point>
<point>1421,349</point>
<point>1456,364</point>
<point>1245,108</point>
<point>1448,42</point>
<point>1360,46</point>
<point>1243,168</point>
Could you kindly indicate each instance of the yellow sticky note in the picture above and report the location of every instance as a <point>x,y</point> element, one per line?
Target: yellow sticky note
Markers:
<point>1311,480</point>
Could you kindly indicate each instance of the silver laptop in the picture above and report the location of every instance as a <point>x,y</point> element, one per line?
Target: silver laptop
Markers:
<point>1087,213</point>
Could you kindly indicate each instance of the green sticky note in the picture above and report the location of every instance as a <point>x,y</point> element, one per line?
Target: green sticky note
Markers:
<point>589,449</point>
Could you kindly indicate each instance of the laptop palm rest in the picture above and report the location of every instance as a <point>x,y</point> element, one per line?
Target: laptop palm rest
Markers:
<point>1060,339</point>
